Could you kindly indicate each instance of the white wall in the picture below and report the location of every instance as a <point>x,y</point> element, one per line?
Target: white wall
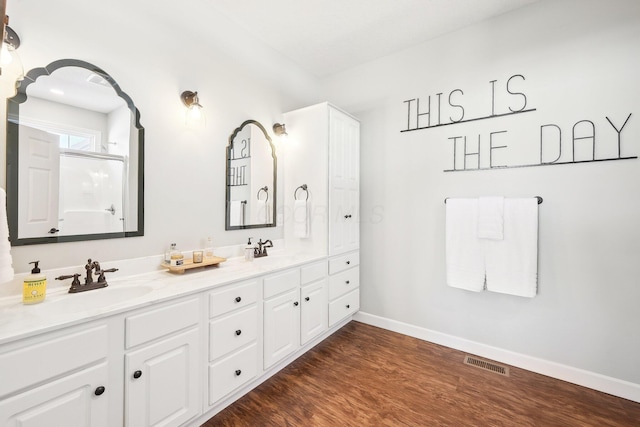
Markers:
<point>155,50</point>
<point>580,61</point>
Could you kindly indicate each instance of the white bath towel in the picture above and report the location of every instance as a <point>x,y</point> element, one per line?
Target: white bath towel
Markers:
<point>512,263</point>
<point>301,226</point>
<point>6,262</point>
<point>491,218</point>
<point>464,262</point>
<point>262,212</point>
<point>236,213</point>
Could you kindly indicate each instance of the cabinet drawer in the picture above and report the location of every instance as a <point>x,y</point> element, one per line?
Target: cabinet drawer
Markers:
<point>229,298</point>
<point>341,263</point>
<point>281,282</point>
<point>341,283</point>
<point>152,324</point>
<point>311,273</point>
<point>232,372</point>
<point>54,357</point>
<point>344,306</point>
<point>232,332</point>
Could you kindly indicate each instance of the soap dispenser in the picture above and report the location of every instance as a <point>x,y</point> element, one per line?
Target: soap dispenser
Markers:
<point>248,251</point>
<point>34,287</point>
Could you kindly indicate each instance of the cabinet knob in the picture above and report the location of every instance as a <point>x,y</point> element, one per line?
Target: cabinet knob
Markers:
<point>348,306</point>
<point>348,262</point>
<point>238,332</point>
<point>238,299</point>
<point>306,299</point>
<point>296,303</point>
<point>238,372</point>
<point>137,374</point>
<point>99,391</point>
<point>347,282</point>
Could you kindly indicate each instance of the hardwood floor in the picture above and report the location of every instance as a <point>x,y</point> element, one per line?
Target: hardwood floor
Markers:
<point>366,376</point>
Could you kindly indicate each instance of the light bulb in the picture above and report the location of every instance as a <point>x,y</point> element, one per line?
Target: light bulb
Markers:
<point>195,117</point>
<point>11,70</point>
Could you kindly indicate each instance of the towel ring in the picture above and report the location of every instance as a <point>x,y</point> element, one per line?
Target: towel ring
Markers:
<point>266,190</point>
<point>304,188</point>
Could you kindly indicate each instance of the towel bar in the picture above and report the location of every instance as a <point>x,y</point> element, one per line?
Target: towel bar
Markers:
<point>540,199</point>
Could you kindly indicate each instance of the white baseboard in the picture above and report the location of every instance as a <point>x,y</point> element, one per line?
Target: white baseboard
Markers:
<point>616,387</point>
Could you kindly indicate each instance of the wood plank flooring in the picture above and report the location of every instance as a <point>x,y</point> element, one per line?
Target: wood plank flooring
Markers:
<point>366,376</point>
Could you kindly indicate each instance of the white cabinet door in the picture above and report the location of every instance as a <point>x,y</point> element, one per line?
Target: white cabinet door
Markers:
<point>344,182</point>
<point>314,313</point>
<point>162,384</point>
<point>75,400</point>
<point>281,327</point>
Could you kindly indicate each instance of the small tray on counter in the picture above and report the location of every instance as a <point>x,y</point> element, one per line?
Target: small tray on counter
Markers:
<point>189,264</point>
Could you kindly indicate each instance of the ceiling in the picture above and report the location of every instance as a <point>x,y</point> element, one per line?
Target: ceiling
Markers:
<point>327,36</point>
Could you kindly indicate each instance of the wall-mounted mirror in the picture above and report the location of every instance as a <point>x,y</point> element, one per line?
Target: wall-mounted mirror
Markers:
<point>75,157</point>
<point>251,178</point>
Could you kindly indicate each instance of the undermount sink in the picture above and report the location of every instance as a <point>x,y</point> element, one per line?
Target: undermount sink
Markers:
<point>96,298</point>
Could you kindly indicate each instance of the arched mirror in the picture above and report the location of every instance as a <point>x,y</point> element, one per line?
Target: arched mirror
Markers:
<point>75,157</point>
<point>251,178</point>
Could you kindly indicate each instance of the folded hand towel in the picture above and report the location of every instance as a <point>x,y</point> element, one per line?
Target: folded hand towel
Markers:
<point>490,218</point>
<point>236,213</point>
<point>512,263</point>
<point>301,224</point>
<point>464,261</point>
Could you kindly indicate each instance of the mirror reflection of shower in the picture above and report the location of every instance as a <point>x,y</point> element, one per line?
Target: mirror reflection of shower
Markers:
<point>91,193</point>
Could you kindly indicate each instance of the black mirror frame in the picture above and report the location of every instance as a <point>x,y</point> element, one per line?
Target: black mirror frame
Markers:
<point>12,120</point>
<point>228,225</point>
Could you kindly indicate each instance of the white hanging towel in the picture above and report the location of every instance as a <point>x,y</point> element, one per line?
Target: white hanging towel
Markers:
<point>262,212</point>
<point>491,218</point>
<point>512,263</point>
<point>465,265</point>
<point>301,226</point>
<point>236,213</point>
<point>6,262</point>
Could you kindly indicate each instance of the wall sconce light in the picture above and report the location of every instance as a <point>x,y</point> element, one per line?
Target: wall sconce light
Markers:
<point>280,130</point>
<point>10,64</point>
<point>194,116</point>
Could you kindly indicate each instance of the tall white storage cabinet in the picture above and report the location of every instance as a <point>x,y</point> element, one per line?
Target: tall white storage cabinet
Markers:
<point>323,153</point>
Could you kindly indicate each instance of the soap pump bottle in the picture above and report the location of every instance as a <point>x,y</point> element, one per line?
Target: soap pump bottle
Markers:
<point>249,251</point>
<point>34,287</point>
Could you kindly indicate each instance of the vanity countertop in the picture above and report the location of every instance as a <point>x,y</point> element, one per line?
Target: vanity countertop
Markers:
<point>61,309</point>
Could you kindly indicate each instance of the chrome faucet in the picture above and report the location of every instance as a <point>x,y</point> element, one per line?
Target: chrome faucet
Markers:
<point>261,250</point>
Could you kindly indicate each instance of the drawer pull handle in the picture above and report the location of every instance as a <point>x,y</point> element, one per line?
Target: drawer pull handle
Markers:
<point>137,374</point>
<point>348,262</point>
<point>238,332</point>
<point>306,299</point>
<point>348,306</point>
<point>99,391</point>
<point>296,303</point>
<point>238,372</point>
<point>347,282</point>
<point>347,216</point>
<point>238,299</point>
